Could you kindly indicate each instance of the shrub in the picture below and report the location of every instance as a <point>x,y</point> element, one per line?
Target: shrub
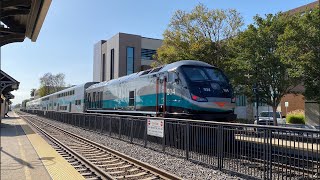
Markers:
<point>296,117</point>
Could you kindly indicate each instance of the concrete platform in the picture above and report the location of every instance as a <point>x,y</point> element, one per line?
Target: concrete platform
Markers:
<point>25,155</point>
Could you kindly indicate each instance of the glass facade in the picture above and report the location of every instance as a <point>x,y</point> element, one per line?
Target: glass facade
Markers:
<point>146,54</point>
<point>103,67</point>
<point>112,64</point>
<point>130,60</point>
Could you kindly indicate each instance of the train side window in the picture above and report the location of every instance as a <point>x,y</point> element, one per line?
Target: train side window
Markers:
<point>101,101</point>
<point>89,101</point>
<point>94,99</point>
<point>131,98</point>
<point>98,100</point>
<point>172,77</point>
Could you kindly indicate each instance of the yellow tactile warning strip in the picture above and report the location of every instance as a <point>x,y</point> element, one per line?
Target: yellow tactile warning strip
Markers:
<point>56,165</point>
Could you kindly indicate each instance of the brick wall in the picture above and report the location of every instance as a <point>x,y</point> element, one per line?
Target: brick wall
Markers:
<point>296,101</point>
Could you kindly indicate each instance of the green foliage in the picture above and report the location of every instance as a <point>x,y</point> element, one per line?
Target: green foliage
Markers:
<point>50,83</point>
<point>299,47</point>
<point>255,62</point>
<point>199,35</point>
<point>32,92</point>
<point>296,117</point>
<point>17,106</point>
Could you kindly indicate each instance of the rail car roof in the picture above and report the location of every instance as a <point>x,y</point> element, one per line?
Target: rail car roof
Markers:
<point>62,91</point>
<point>151,71</point>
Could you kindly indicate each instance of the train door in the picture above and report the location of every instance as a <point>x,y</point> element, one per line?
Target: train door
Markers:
<point>173,93</point>
<point>161,97</point>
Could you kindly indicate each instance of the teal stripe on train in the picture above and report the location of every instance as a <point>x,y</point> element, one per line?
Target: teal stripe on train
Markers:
<point>150,100</point>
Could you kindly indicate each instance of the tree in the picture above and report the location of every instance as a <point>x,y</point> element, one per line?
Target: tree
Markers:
<point>200,34</point>
<point>256,63</point>
<point>17,106</point>
<point>32,92</point>
<point>300,46</point>
<point>50,83</point>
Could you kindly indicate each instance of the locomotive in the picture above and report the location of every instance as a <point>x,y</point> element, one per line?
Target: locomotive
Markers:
<point>184,89</point>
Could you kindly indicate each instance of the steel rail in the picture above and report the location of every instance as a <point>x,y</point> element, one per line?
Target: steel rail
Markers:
<point>96,170</point>
<point>147,167</point>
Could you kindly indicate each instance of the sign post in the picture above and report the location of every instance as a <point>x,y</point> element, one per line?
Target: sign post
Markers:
<point>286,104</point>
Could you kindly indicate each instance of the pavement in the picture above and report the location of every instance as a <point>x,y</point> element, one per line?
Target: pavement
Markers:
<point>26,155</point>
<point>19,160</point>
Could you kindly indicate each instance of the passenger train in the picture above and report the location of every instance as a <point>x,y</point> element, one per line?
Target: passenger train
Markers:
<point>184,89</point>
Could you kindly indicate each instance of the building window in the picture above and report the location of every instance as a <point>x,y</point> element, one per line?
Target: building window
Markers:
<point>241,100</point>
<point>147,54</point>
<point>131,98</point>
<point>103,67</point>
<point>112,64</point>
<point>130,60</point>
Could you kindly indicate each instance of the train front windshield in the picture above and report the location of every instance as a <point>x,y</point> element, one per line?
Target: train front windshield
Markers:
<point>207,82</point>
<point>196,74</point>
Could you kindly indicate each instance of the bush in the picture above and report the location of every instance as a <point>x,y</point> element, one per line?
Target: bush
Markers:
<point>296,117</point>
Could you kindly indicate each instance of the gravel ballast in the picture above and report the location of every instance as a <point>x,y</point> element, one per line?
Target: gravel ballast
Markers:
<point>178,166</point>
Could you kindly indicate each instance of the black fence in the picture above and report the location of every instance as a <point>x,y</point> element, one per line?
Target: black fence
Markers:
<point>261,152</point>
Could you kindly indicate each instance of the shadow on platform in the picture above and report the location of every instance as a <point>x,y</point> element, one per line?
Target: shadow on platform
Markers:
<point>21,163</point>
<point>8,128</point>
<point>18,160</point>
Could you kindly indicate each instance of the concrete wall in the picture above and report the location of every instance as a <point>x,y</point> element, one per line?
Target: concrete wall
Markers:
<point>249,111</point>
<point>312,113</point>
<point>149,43</point>
<point>241,112</point>
<point>119,43</point>
<point>97,58</point>
<point>112,43</point>
<point>129,40</point>
<point>104,50</point>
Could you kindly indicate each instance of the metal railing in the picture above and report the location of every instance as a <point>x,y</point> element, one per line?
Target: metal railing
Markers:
<point>262,152</point>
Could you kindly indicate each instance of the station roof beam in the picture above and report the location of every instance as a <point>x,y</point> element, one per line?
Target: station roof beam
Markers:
<point>21,18</point>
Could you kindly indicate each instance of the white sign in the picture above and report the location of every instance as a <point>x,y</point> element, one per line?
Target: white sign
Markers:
<point>155,128</point>
<point>286,104</point>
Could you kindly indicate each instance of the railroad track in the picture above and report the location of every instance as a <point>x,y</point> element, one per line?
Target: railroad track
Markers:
<point>92,160</point>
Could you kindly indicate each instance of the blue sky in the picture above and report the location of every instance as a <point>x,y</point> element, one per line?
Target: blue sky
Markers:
<point>71,28</point>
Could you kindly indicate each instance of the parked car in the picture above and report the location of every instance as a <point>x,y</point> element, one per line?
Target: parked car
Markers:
<point>266,118</point>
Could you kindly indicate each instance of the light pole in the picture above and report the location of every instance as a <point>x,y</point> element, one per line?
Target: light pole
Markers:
<point>256,92</point>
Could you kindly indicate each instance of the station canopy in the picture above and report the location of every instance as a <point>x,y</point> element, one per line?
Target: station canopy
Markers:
<point>7,84</point>
<point>21,18</point>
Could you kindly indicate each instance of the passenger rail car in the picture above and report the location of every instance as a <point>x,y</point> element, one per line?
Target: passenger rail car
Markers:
<point>188,89</point>
<point>67,100</point>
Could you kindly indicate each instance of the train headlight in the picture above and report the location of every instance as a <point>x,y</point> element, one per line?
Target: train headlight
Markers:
<point>233,100</point>
<point>199,99</point>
